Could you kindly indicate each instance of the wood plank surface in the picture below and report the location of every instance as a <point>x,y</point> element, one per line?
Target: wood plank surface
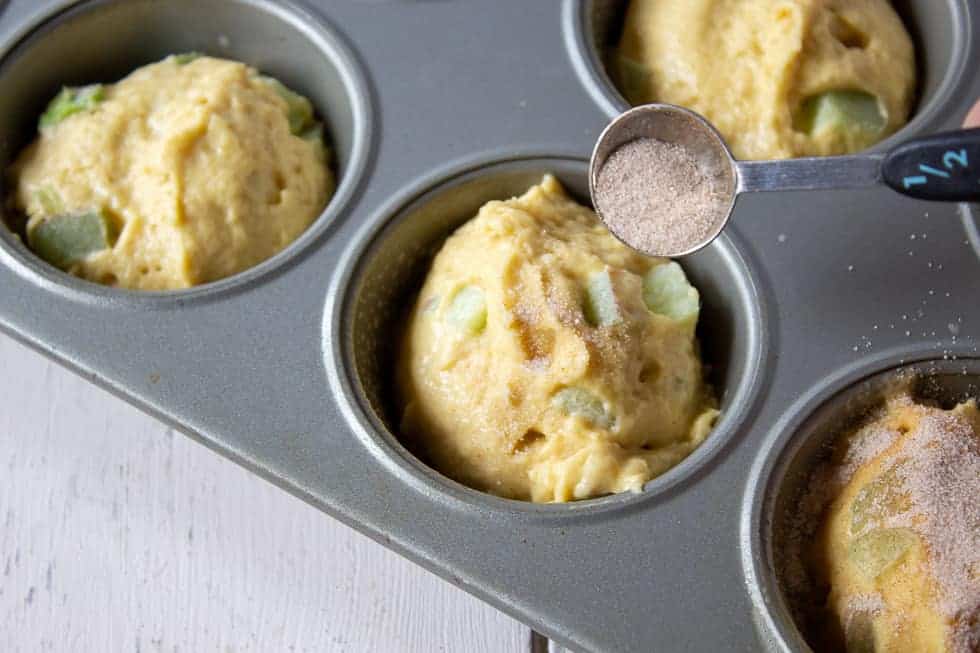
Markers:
<point>118,535</point>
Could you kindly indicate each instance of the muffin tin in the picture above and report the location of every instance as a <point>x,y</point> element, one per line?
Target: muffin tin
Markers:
<point>433,109</point>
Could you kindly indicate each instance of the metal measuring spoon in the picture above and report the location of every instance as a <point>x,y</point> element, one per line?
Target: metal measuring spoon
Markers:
<point>941,167</point>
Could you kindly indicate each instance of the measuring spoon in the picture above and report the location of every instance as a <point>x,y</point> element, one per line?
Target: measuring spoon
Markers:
<point>942,167</point>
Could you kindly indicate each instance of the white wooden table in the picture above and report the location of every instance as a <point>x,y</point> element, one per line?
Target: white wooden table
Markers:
<point>116,534</point>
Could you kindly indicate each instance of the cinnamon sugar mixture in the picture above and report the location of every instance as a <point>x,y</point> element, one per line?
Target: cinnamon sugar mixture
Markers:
<point>657,198</point>
<point>940,470</point>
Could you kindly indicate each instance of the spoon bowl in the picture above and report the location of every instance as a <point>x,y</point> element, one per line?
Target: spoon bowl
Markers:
<point>678,126</point>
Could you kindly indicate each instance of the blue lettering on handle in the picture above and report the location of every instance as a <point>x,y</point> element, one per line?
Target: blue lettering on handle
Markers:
<point>952,156</point>
<point>914,181</point>
<point>929,170</point>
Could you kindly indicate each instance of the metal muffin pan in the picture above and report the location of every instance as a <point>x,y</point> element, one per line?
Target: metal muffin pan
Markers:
<point>433,108</point>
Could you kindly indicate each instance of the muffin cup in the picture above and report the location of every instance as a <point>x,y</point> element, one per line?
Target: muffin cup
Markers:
<point>104,40</point>
<point>390,259</point>
<point>940,30</point>
<point>800,442</point>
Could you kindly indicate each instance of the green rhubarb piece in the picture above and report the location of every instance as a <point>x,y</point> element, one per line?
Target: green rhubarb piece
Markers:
<point>468,310</point>
<point>299,110</point>
<point>885,496</point>
<point>314,132</point>
<point>50,200</point>
<point>314,136</point>
<point>875,552</point>
<point>601,308</point>
<point>185,58</point>
<point>634,79</point>
<point>859,634</point>
<point>72,100</point>
<point>855,111</point>
<point>66,239</point>
<point>666,291</point>
<point>584,404</point>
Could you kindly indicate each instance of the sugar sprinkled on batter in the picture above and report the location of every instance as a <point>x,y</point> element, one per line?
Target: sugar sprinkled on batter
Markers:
<point>942,477</point>
<point>937,470</point>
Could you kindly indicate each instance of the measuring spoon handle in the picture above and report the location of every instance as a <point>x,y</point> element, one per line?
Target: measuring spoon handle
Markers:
<point>941,167</point>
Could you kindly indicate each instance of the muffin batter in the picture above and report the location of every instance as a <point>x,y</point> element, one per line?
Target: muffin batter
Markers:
<point>545,360</point>
<point>778,78</point>
<point>187,171</point>
<point>899,547</point>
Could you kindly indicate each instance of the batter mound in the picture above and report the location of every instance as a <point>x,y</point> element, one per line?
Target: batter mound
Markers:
<point>898,549</point>
<point>187,171</point>
<point>546,361</point>
<point>778,78</point>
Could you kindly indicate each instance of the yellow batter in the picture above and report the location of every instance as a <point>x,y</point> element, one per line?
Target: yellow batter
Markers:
<point>187,171</point>
<point>545,360</point>
<point>899,547</point>
<point>778,78</point>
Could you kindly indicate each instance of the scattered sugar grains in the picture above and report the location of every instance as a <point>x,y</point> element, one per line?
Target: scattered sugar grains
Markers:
<point>942,477</point>
<point>657,198</point>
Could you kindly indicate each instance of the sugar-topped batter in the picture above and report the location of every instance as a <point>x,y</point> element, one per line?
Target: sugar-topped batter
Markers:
<point>897,550</point>
<point>544,360</point>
